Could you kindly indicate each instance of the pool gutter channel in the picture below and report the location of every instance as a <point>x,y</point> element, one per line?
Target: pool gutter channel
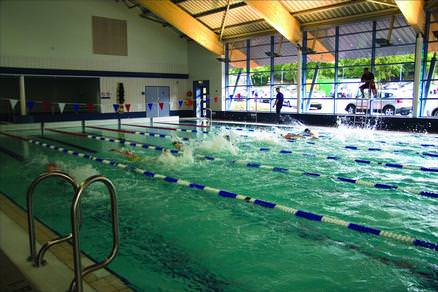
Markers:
<point>226,194</point>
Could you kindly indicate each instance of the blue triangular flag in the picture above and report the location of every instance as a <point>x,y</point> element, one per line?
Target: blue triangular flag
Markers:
<point>75,107</point>
<point>30,104</point>
<point>150,106</point>
<point>116,107</point>
<point>180,103</point>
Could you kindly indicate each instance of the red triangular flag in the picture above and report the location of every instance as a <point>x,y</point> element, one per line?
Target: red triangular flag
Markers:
<point>128,107</point>
<point>46,106</point>
<point>90,107</point>
<point>161,105</point>
<point>216,99</point>
<point>190,102</point>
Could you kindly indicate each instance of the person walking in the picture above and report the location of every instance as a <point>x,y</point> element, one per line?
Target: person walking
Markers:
<point>278,104</point>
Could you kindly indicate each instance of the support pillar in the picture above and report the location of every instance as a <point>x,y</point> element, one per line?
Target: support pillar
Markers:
<point>299,79</point>
<point>22,96</point>
<point>417,75</point>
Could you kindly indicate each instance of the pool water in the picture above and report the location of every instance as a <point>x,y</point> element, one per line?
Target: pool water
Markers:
<point>175,238</point>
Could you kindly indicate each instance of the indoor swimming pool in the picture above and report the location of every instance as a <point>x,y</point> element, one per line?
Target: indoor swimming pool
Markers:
<point>239,207</point>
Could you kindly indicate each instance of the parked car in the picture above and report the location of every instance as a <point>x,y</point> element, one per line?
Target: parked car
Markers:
<point>386,102</point>
<point>431,107</point>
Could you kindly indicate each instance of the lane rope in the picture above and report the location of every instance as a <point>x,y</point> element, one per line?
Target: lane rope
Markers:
<point>362,162</point>
<point>226,194</point>
<point>182,124</point>
<point>168,129</point>
<point>146,134</point>
<point>254,165</point>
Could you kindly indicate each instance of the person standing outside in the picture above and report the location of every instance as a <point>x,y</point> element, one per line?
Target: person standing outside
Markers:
<point>368,78</point>
<point>278,104</point>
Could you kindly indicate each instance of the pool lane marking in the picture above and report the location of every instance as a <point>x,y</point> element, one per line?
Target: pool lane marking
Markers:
<point>67,144</point>
<point>12,154</point>
<point>249,164</point>
<point>182,124</point>
<point>146,134</point>
<point>266,204</point>
<point>359,161</point>
<point>168,129</point>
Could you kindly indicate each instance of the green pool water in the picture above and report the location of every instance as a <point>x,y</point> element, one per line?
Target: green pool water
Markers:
<point>175,238</point>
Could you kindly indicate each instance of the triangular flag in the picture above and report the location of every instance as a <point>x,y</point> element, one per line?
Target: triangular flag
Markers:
<point>190,102</point>
<point>90,107</point>
<point>161,105</point>
<point>150,106</point>
<point>128,107</point>
<point>215,99</point>
<point>75,107</point>
<point>13,103</point>
<point>116,107</point>
<point>30,104</point>
<point>46,106</point>
<point>61,106</point>
<point>207,100</point>
<point>180,103</point>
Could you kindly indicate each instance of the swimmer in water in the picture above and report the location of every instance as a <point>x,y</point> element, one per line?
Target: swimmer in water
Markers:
<point>128,154</point>
<point>307,133</point>
<point>178,145</point>
<point>51,167</point>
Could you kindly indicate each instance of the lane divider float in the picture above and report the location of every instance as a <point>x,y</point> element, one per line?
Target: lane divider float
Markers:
<point>254,165</point>
<point>359,161</point>
<point>146,134</point>
<point>230,195</point>
<point>168,129</point>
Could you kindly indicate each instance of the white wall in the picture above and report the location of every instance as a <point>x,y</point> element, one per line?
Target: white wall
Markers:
<point>58,35</point>
<point>203,65</point>
<point>134,88</point>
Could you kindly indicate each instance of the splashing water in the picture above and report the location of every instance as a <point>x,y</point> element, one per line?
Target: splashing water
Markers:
<point>177,161</point>
<point>218,144</point>
<point>78,172</point>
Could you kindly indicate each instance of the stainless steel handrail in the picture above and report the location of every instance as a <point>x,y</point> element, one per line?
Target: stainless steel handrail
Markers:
<point>38,259</point>
<point>76,284</point>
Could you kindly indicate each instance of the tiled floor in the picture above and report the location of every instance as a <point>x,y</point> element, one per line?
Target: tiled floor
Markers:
<point>11,279</point>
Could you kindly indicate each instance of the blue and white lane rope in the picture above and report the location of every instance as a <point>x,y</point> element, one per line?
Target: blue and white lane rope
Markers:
<point>359,161</point>
<point>226,194</point>
<point>168,129</point>
<point>254,165</point>
<point>146,134</point>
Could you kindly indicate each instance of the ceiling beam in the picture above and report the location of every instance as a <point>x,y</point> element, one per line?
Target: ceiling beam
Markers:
<point>327,7</point>
<point>185,23</point>
<point>413,11</point>
<point>349,19</point>
<point>219,9</point>
<point>278,17</point>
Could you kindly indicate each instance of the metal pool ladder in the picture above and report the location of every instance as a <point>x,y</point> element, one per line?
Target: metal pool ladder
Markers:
<point>38,259</point>
<point>76,284</point>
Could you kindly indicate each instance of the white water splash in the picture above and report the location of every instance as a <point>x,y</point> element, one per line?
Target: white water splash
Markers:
<point>218,144</point>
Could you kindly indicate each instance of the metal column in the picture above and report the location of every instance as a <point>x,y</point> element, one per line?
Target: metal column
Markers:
<point>373,48</point>
<point>22,96</point>
<point>271,74</point>
<point>299,79</point>
<point>227,68</point>
<point>248,70</point>
<point>423,91</point>
<point>335,89</point>
<point>417,75</point>
<point>304,68</point>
